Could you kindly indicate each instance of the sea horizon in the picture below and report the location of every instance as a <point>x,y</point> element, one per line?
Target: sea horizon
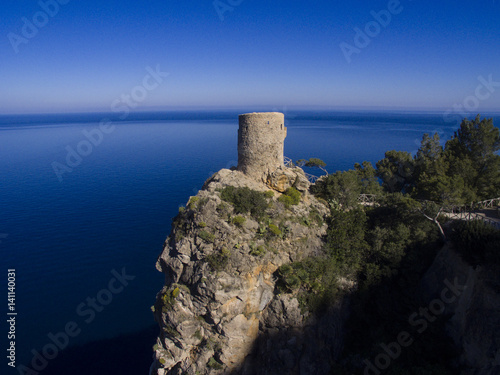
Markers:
<point>68,235</point>
<point>254,108</point>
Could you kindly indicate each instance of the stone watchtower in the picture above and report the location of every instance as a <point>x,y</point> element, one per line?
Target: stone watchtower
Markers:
<point>261,138</point>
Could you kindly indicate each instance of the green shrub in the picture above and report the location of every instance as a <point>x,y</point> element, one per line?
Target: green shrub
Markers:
<point>253,246</point>
<point>180,224</point>
<point>202,202</point>
<point>286,200</point>
<point>294,194</point>
<point>245,200</point>
<point>290,197</point>
<point>274,230</point>
<point>314,215</point>
<point>239,221</point>
<point>222,207</point>
<point>206,236</point>
<point>168,299</point>
<point>314,279</point>
<point>192,202</point>
<point>262,230</point>
<point>289,281</point>
<point>269,194</point>
<point>343,188</point>
<point>478,242</point>
<point>306,221</point>
<point>176,292</point>
<point>297,274</point>
<point>258,251</point>
<point>223,210</point>
<point>219,260</point>
<point>202,224</point>
<point>346,239</point>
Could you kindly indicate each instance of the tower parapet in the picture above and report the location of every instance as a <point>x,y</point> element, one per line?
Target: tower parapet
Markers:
<point>261,139</point>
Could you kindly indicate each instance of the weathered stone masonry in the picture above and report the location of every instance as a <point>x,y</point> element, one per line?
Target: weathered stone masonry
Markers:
<point>261,139</point>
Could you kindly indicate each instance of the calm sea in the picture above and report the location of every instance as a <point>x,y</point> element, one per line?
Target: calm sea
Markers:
<point>109,211</point>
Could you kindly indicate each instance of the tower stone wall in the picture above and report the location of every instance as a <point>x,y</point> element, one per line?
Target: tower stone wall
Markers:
<point>261,139</point>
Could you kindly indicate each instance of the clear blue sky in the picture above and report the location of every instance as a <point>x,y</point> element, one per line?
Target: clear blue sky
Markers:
<point>275,53</point>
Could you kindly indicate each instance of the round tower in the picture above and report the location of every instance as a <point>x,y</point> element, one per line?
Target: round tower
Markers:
<point>261,139</point>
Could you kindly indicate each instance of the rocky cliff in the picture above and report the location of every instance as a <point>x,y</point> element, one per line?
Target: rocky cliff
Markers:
<point>220,311</point>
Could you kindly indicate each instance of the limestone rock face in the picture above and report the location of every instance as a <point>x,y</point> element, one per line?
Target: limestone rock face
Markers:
<point>220,311</point>
<point>475,312</point>
<point>283,178</point>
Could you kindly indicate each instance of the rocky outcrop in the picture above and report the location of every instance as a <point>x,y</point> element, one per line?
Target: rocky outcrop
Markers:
<point>474,322</point>
<point>220,311</point>
<point>283,178</point>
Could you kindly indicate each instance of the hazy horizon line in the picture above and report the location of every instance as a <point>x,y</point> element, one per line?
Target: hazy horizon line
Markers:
<point>249,108</point>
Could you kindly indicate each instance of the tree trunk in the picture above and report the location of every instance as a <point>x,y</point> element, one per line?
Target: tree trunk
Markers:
<point>435,221</point>
<point>440,229</point>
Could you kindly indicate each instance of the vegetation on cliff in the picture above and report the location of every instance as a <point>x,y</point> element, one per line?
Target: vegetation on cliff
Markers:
<point>368,243</point>
<point>465,170</point>
<point>386,247</point>
<point>478,242</point>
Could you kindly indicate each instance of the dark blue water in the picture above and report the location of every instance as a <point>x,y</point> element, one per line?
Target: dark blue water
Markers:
<point>65,235</point>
